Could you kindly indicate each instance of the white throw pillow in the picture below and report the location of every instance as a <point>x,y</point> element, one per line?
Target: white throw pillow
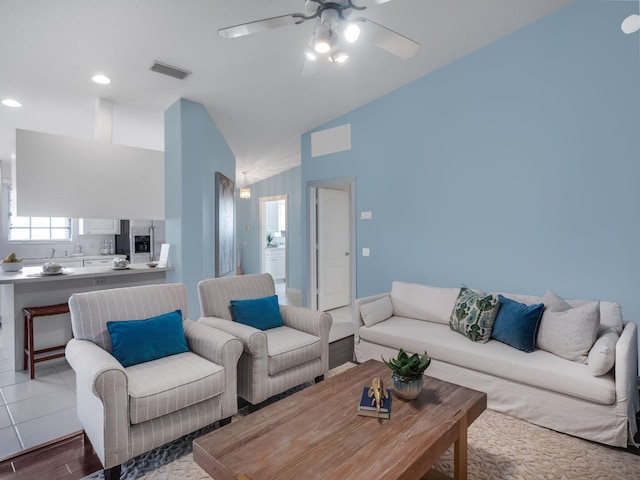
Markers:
<point>570,334</point>
<point>554,303</point>
<point>376,311</point>
<point>602,355</point>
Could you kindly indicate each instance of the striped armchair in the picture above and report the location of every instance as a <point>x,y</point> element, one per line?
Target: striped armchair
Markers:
<point>276,359</point>
<point>128,411</point>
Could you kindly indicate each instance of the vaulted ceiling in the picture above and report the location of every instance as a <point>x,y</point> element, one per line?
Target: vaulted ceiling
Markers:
<point>251,86</point>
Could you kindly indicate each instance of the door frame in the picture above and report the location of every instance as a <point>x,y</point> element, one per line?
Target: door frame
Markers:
<point>262,228</point>
<point>312,235</point>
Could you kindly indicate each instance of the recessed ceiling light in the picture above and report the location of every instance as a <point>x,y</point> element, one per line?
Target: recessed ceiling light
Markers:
<point>101,79</point>
<point>10,102</point>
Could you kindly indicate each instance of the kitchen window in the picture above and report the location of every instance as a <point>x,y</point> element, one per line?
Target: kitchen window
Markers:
<point>38,229</point>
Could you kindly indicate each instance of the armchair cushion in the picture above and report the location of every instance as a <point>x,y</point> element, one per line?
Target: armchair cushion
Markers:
<point>137,341</point>
<point>170,384</point>
<point>288,348</point>
<point>261,313</point>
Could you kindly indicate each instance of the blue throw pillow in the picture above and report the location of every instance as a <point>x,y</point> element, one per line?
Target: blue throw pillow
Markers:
<point>517,324</point>
<point>261,313</point>
<point>138,341</point>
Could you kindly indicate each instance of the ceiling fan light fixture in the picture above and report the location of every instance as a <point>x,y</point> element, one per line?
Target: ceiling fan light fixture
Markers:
<point>322,39</point>
<point>351,32</point>
<point>339,56</point>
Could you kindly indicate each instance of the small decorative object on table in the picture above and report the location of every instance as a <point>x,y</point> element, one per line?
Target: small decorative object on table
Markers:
<point>407,373</point>
<point>375,400</point>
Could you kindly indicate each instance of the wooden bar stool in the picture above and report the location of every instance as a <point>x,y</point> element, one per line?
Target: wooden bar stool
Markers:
<point>30,313</point>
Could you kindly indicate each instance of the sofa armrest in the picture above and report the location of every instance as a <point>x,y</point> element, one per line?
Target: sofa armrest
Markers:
<point>357,316</point>
<point>102,400</point>
<point>213,344</point>
<point>313,322</point>
<point>254,341</point>
<point>221,348</point>
<point>626,374</point>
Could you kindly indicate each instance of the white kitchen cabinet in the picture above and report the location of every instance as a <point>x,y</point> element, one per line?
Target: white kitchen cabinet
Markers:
<point>105,262</point>
<point>274,263</point>
<point>98,226</point>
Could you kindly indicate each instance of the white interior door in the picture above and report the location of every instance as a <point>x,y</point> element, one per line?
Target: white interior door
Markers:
<point>334,264</point>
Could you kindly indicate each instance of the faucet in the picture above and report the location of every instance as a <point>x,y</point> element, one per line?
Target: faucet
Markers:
<point>53,252</point>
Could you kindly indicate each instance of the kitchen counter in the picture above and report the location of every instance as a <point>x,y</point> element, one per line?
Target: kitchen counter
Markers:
<point>34,274</point>
<point>73,261</point>
<point>29,288</point>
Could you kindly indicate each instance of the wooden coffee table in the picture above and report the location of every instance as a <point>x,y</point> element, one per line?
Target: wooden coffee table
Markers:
<point>317,434</point>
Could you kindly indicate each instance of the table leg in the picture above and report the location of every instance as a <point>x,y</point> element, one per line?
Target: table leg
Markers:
<point>460,451</point>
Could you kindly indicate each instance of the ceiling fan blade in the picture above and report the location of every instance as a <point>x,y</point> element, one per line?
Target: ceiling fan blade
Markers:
<point>388,40</point>
<point>310,67</point>
<point>261,25</point>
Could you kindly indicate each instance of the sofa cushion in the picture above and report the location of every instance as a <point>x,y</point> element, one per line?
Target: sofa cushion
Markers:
<point>137,341</point>
<point>423,302</point>
<point>570,334</point>
<point>261,313</point>
<point>170,384</point>
<point>288,348</point>
<point>539,368</point>
<point>602,355</point>
<point>376,311</point>
<point>473,315</point>
<point>517,324</point>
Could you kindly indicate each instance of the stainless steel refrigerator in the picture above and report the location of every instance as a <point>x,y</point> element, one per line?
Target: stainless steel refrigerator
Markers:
<point>140,240</point>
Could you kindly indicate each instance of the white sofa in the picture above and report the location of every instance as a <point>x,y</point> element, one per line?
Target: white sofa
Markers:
<point>539,387</point>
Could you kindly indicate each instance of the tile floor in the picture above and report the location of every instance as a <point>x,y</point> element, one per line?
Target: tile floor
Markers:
<point>33,412</point>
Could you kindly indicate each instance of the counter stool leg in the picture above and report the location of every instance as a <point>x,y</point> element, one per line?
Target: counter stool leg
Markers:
<point>25,365</point>
<point>32,360</point>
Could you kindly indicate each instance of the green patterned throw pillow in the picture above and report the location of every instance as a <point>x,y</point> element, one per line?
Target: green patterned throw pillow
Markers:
<point>473,315</point>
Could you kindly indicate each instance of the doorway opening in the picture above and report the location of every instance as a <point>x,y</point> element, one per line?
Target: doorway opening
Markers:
<point>332,269</point>
<point>273,232</point>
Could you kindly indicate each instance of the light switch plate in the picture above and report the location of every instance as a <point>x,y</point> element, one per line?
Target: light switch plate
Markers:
<point>366,215</point>
<point>365,252</point>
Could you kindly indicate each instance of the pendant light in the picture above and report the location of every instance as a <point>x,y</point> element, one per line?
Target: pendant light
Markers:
<point>245,192</point>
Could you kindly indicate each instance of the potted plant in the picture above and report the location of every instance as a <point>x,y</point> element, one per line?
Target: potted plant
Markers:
<point>407,373</point>
<point>269,239</point>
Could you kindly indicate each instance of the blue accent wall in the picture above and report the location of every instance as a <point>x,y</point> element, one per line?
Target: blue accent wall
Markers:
<point>515,168</point>
<point>248,214</point>
<point>194,150</point>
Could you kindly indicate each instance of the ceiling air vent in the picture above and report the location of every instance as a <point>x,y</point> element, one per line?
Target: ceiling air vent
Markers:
<point>165,69</point>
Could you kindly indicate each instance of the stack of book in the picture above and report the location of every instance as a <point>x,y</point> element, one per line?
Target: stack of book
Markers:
<point>367,407</point>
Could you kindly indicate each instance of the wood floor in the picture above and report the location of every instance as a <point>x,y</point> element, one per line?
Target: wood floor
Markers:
<point>71,459</point>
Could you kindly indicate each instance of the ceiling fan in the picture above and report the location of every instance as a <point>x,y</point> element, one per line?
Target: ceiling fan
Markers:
<point>334,30</point>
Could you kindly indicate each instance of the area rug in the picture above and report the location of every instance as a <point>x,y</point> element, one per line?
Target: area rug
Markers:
<point>500,447</point>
